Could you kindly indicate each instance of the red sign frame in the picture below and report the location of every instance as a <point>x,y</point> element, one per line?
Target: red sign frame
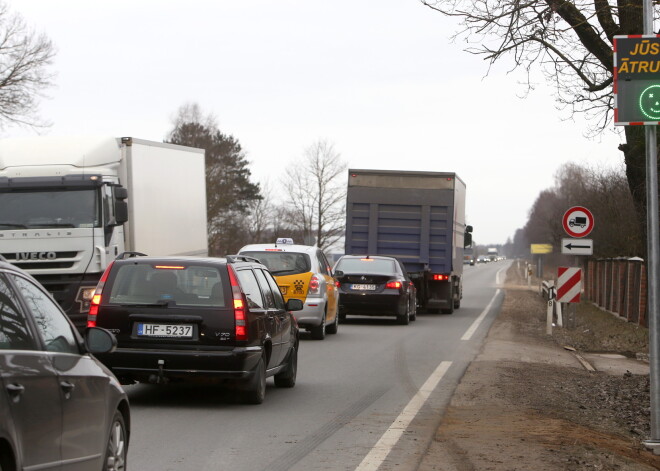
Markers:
<point>568,223</point>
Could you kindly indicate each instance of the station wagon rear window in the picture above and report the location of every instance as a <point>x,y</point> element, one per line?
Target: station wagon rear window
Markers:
<point>183,285</point>
<point>283,263</point>
<point>371,265</point>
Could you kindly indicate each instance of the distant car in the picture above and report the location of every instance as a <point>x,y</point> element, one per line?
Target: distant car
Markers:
<point>375,285</point>
<point>60,408</point>
<point>468,260</point>
<point>208,320</point>
<point>302,272</point>
<point>482,259</point>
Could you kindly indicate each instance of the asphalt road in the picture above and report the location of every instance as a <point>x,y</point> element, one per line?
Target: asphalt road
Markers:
<point>370,396</point>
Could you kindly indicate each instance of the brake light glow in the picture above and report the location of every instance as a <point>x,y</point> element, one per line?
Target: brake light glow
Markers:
<point>314,285</point>
<point>437,277</point>
<point>274,250</point>
<point>393,285</point>
<point>169,267</point>
<point>366,259</point>
<point>240,329</point>
<point>96,299</point>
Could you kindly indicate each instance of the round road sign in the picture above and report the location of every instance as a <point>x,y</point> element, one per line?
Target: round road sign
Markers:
<point>578,221</point>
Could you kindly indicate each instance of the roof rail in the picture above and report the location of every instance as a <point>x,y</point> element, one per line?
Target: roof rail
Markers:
<point>240,258</point>
<point>125,255</point>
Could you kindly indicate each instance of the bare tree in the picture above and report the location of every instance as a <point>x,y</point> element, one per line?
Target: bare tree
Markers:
<point>571,43</point>
<point>229,189</point>
<point>316,194</point>
<point>24,59</point>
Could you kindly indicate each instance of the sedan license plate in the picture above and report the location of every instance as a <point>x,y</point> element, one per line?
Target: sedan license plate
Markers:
<point>363,287</point>
<point>184,331</point>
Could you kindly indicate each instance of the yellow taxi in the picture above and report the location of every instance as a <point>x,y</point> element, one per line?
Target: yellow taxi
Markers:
<point>302,272</point>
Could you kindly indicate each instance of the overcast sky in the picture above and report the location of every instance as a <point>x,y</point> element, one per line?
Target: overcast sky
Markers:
<point>380,80</point>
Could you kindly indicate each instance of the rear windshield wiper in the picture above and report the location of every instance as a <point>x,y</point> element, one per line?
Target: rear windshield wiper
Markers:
<point>161,303</point>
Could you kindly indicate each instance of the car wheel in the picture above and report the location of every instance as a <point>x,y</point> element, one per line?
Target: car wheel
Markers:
<point>116,450</point>
<point>287,378</point>
<point>413,316</point>
<point>318,332</point>
<point>255,390</point>
<point>404,319</point>
<point>332,328</point>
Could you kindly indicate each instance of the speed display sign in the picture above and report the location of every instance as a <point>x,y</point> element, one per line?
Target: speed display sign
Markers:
<point>578,221</point>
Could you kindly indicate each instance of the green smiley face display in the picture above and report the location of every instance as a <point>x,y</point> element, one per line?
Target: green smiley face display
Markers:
<point>649,102</point>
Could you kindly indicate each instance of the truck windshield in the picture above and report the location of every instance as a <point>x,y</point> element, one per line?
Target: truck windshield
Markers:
<point>49,209</point>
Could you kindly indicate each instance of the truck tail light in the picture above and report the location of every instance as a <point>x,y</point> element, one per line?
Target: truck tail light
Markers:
<point>314,286</point>
<point>393,285</point>
<point>240,319</point>
<point>96,298</point>
<point>437,277</point>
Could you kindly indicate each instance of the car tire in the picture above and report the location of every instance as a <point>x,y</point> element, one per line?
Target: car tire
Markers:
<point>116,449</point>
<point>413,316</point>
<point>318,332</point>
<point>255,389</point>
<point>332,328</point>
<point>287,378</point>
<point>404,319</point>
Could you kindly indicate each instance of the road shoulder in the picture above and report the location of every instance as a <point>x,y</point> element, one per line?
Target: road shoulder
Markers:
<point>527,403</point>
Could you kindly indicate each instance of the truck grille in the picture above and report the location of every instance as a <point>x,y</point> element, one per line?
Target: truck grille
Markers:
<point>59,261</point>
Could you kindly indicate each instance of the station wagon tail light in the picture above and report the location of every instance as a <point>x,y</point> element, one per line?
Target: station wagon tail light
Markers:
<point>96,298</point>
<point>169,267</point>
<point>437,277</point>
<point>240,329</point>
<point>314,287</point>
<point>393,285</point>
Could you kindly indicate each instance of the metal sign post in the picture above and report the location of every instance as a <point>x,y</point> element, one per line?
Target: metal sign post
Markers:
<point>653,243</point>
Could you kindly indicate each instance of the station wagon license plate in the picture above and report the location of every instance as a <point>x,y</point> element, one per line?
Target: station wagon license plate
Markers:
<point>184,331</point>
<point>363,287</point>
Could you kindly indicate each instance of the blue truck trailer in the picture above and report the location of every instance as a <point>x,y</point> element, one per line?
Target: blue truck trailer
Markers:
<point>417,217</point>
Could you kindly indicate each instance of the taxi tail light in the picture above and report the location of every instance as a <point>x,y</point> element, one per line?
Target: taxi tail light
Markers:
<point>240,318</point>
<point>393,284</point>
<point>438,277</point>
<point>96,298</point>
<point>314,288</point>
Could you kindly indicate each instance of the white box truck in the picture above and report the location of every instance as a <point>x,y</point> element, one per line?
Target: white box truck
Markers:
<point>69,206</point>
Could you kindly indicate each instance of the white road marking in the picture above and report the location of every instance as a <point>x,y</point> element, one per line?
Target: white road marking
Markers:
<point>477,322</point>
<point>475,325</point>
<point>389,439</point>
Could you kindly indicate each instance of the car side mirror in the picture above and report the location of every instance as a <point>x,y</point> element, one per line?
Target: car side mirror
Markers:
<point>98,340</point>
<point>339,273</point>
<point>294,305</point>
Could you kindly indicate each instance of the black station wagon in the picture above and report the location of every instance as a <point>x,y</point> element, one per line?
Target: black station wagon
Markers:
<point>197,319</point>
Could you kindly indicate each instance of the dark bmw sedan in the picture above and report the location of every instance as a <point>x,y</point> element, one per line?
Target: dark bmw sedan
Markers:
<point>60,408</point>
<point>375,286</point>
